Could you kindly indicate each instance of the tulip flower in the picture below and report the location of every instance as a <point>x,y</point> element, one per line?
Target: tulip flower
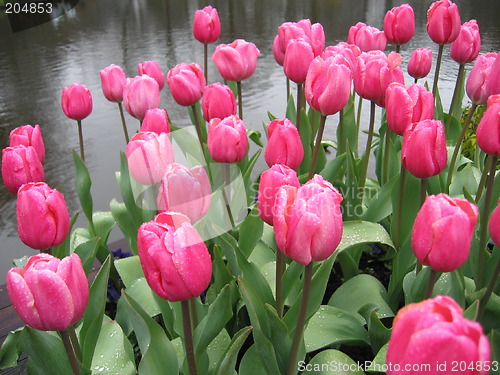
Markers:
<point>186,82</point>
<point>399,24</point>
<point>271,180</point>
<point>48,293</point>
<point>420,63</point>
<point>227,139</point>
<point>206,25</point>
<point>488,130</point>
<point>148,155</point>
<point>152,69</point>
<point>28,135</point>
<point>174,258</point>
<point>308,220</point>
<point>42,216</point>
<point>443,22</point>
<point>494,225</point>
<point>284,145</point>
<point>349,52</point>
<point>113,81</point>
<point>140,94</point>
<point>278,54</point>
<point>218,102</point>
<point>493,81</point>
<point>478,79</point>
<point>467,46</point>
<point>434,333</point>
<point>236,61</point>
<point>156,121</point>
<point>76,101</point>
<point>20,165</point>
<point>312,33</point>
<point>298,56</point>
<point>185,190</point>
<point>367,38</point>
<point>442,232</point>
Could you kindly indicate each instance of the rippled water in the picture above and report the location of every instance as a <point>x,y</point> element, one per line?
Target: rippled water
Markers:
<point>38,62</point>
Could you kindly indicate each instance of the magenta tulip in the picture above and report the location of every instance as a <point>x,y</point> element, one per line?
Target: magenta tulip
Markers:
<point>271,180</point>
<point>367,38</point>
<point>431,336</point>
<point>308,220</point>
<point>185,190</point>
<point>298,56</point>
<point>48,293</point>
<point>174,258</point>
<point>76,101</point>
<point>442,232</point>
<point>206,25</point>
<point>284,145</point>
<point>420,63</point>
<point>227,139</point>
<point>399,24</point>
<point>312,33</point>
<point>186,82</point>
<point>278,54</point>
<point>467,46</point>
<point>148,155</point>
<point>488,130</point>
<point>20,165</point>
<point>28,135</point>
<point>443,22</point>
<point>477,81</point>
<point>113,81</point>
<point>218,102</point>
<point>236,61</point>
<point>424,152</point>
<point>140,94</point>
<point>152,69</point>
<point>42,216</point>
<point>349,52</point>
<point>156,121</point>
<point>494,225</point>
<point>493,81</point>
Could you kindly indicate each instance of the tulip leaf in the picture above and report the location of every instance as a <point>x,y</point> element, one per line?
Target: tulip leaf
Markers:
<point>63,250</point>
<point>252,363</point>
<point>331,362</point>
<point>378,364</point>
<point>83,184</point>
<point>129,269</point>
<point>87,251</point>
<point>144,296</point>
<point>103,223</point>
<point>402,263</point>
<point>255,136</point>
<point>357,232</point>
<point>334,169</point>
<point>494,337</point>
<point>10,350</point>
<point>350,129</point>
<point>291,112</point>
<point>380,205</point>
<point>250,232</point>
<point>227,362</point>
<point>125,222</point>
<point>379,334</point>
<point>125,184</point>
<point>306,137</point>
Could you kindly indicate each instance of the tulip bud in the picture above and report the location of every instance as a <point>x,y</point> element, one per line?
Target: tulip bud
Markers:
<point>493,81</point>
<point>420,63</point>
<point>20,165</point>
<point>477,81</point>
<point>148,155</point>
<point>298,57</point>
<point>314,34</point>
<point>152,69</point>
<point>432,336</point>
<point>271,180</point>
<point>367,38</point>
<point>206,25</point>
<point>113,81</point>
<point>308,220</point>
<point>284,145</point>
<point>443,22</point>
<point>467,46</point>
<point>227,139</point>
<point>186,82</point>
<point>174,258</point>
<point>424,152</point>
<point>405,105</point>
<point>140,94</point>
<point>185,190</point>
<point>76,101</point>
<point>494,225</point>
<point>488,130</point>
<point>236,61</point>
<point>42,216</point>
<point>156,121</point>
<point>28,135</point>
<point>399,24</point>
<point>278,54</point>
<point>349,52</point>
<point>218,102</point>
<point>442,232</point>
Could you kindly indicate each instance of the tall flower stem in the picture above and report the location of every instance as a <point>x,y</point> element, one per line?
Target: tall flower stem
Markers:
<point>358,115</point>
<point>438,67</point>
<point>299,328</point>
<point>484,176</point>
<point>205,61</point>
<point>280,268</point>
<point>489,290</point>
<point>385,169</point>
<point>430,286</point>
<point>194,313</point>
<point>80,138</point>
<point>240,100</point>
<point>368,150</point>
<point>188,337</point>
<point>70,352</point>
<point>456,91</point>
<point>341,137</point>
<point>317,145</point>
<point>74,342</point>
<point>287,89</point>
<point>485,214</point>
<point>227,195</point>
<point>399,216</point>
<point>124,124</point>
<point>398,48</point>
<point>300,95</point>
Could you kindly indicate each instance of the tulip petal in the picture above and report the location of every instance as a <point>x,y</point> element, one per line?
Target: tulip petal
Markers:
<point>22,298</point>
<point>71,271</point>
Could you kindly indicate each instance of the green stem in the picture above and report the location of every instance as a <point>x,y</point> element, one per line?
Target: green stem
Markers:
<point>227,196</point>
<point>438,67</point>
<point>341,138</point>
<point>484,176</point>
<point>188,338</point>
<point>366,158</point>
<point>423,190</point>
<point>385,168</point>
<point>240,100</point>
<point>399,216</point>
<point>287,89</point>
<point>75,343</point>
<point>358,115</point>
<point>194,312</point>
<point>124,124</point>
<point>280,268</point>
<point>70,352</point>
<point>300,89</point>
<point>205,61</point>
<point>317,145</point>
<point>454,98</point>
<point>299,328</point>
<point>489,290</point>
<point>80,138</point>
<point>430,286</point>
<point>398,48</point>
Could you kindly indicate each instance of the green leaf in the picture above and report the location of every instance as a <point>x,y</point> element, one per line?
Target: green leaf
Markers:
<point>252,363</point>
<point>10,349</point>
<point>83,184</point>
<point>129,269</point>
<point>378,333</point>
<point>87,251</point>
<point>380,205</point>
<point>330,362</point>
<point>494,337</point>
<point>250,232</point>
<point>255,136</point>
<point>378,363</point>
<point>227,363</point>
<point>306,137</point>
<point>103,224</point>
<point>144,296</point>
<point>126,223</point>
<point>125,184</point>
<point>357,232</point>
<point>63,250</point>
<point>334,169</point>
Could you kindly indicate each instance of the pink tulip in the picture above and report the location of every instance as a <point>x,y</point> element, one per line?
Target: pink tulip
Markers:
<point>218,102</point>
<point>152,69</point>
<point>140,94</point>
<point>367,38</point>
<point>76,101</point>
<point>156,121</point>
<point>493,81</point>
<point>442,232</point>
<point>349,52</point>
<point>298,56</point>
<point>312,33</point>
<point>308,220</point>
<point>271,180</point>
<point>488,130</point>
<point>113,81</point>
<point>278,54</point>
<point>284,145</point>
<point>148,155</point>
<point>174,258</point>
<point>227,139</point>
<point>494,225</point>
<point>328,85</point>
<point>405,105</point>
<point>185,190</point>
<point>48,293</point>
<point>467,46</point>
<point>424,152</point>
<point>420,63</point>
<point>236,61</point>
<point>20,165</point>
<point>477,81</point>
<point>399,24</point>
<point>206,25</point>
<point>443,22</point>
<point>42,216</point>
<point>186,82</point>
<point>434,333</point>
<point>28,135</point>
